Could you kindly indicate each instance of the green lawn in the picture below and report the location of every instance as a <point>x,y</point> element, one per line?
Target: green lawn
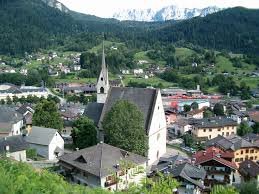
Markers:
<point>183,52</point>
<point>152,81</point>
<point>224,64</point>
<point>107,44</point>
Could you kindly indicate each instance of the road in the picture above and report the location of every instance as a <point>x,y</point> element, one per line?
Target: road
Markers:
<point>62,100</point>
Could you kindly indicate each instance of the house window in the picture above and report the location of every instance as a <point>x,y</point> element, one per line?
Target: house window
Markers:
<point>255,157</point>
<point>219,129</point>
<point>212,176</point>
<point>210,130</point>
<point>227,128</point>
<point>233,127</point>
<point>227,133</point>
<point>222,133</point>
<point>101,90</point>
<point>251,158</point>
<point>241,152</point>
<point>251,151</point>
<point>204,130</point>
<point>209,136</point>
<point>241,159</point>
<point>237,160</point>
<point>247,151</point>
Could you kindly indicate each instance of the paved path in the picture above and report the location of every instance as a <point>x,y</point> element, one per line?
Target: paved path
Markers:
<point>62,100</point>
<point>172,152</point>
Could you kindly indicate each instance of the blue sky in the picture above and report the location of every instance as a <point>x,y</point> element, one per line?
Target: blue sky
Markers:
<point>105,8</point>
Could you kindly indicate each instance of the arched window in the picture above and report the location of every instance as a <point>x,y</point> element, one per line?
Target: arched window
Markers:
<point>101,90</point>
<point>101,78</point>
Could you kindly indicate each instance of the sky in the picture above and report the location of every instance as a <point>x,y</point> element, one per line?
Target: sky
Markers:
<point>106,8</point>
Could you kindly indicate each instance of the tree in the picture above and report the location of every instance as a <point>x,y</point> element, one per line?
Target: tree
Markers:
<point>255,127</point>
<point>84,133</point>
<point>15,99</point>
<point>186,108</point>
<point>219,189</point>
<point>194,105</point>
<point>47,115</point>
<point>244,129</point>
<point>208,113</point>
<point>250,187</point>
<point>2,102</point>
<point>163,185</point>
<point>124,128</point>
<point>218,109</point>
<point>188,140</point>
<point>9,100</point>
<point>19,177</point>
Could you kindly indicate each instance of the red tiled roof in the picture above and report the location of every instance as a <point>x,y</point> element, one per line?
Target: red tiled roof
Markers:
<point>254,116</point>
<point>197,111</point>
<point>212,154</point>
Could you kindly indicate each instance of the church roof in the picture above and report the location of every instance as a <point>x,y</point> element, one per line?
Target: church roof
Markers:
<point>93,111</point>
<point>143,98</point>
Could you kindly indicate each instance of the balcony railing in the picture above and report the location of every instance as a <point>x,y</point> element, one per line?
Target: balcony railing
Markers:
<point>110,183</point>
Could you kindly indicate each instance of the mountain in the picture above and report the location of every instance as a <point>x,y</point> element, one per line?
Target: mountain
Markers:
<point>27,25</point>
<point>234,29</point>
<point>166,13</point>
<point>56,4</point>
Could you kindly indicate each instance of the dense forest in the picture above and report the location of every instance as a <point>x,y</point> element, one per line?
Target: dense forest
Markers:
<point>28,25</point>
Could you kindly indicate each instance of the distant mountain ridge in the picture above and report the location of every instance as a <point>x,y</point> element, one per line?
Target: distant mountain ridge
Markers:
<point>167,13</point>
<point>56,4</point>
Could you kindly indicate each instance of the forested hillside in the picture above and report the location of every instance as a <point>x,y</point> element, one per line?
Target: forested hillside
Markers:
<point>235,29</point>
<point>28,25</point>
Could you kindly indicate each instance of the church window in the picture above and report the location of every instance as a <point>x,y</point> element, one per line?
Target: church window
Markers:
<point>101,78</point>
<point>101,90</point>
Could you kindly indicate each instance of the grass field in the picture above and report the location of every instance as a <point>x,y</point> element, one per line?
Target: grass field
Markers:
<point>107,44</point>
<point>152,81</point>
<point>182,53</point>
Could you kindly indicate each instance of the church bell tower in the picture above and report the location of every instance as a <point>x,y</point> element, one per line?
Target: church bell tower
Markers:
<point>103,81</point>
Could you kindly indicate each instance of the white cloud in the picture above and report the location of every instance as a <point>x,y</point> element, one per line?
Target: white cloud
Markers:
<point>105,8</point>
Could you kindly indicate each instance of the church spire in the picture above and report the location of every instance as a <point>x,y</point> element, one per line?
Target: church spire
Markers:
<point>103,58</point>
<point>103,81</point>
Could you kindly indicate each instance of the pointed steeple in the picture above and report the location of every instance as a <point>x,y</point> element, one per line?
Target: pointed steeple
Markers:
<point>103,80</point>
<point>103,58</point>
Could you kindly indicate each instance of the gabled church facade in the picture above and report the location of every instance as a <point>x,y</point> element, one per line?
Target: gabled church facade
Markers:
<point>149,102</point>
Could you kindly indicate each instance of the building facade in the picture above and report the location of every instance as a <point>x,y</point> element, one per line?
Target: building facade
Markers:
<point>211,128</point>
<point>104,166</point>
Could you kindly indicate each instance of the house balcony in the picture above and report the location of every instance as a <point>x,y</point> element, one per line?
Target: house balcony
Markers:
<point>110,183</point>
<point>208,182</point>
<point>223,172</point>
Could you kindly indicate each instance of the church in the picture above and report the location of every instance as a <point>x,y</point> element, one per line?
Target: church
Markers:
<point>149,101</point>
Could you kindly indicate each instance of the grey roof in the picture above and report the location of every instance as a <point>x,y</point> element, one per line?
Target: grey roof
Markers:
<point>20,89</point>
<point>143,98</point>
<point>232,142</point>
<point>249,168</point>
<point>251,137</point>
<point>41,135</point>
<point>186,171</point>
<point>100,160</point>
<point>15,143</point>
<point>24,109</point>
<point>93,111</point>
<point>8,117</point>
<point>213,122</point>
<point>165,161</point>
